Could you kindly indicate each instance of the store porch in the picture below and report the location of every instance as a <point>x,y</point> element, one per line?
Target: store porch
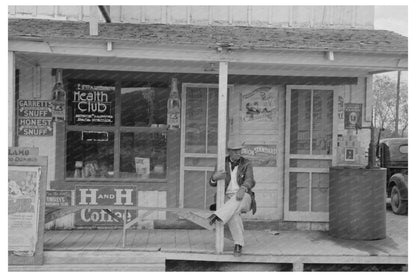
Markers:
<point>74,249</point>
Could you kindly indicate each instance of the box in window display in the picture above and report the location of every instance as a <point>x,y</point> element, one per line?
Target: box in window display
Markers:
<point>142,166</point>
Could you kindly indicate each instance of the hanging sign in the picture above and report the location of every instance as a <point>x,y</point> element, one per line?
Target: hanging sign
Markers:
<point>260,155</point>
<point>34,117</point>
<point>353,115</point>
<point>91,104</point>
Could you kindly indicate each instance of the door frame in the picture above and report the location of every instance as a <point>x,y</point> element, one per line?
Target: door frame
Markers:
<point>182,166</point>
<point>298,215</point>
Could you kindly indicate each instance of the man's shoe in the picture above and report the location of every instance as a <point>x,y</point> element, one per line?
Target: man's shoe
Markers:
<point>213,218</point>
<point>237,250</point>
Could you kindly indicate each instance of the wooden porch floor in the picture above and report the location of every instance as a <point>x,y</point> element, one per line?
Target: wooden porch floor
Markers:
<point>265,245</point>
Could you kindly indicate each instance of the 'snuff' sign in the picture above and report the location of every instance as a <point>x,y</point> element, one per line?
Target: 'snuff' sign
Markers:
<point>99,195</point>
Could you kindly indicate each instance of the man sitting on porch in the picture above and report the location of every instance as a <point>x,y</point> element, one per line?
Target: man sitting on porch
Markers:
<point>239,197</point>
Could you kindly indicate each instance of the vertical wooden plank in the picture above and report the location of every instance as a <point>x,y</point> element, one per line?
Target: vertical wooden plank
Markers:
<point>12,102</point>
<point>222,139</point>
<point>287,152</point>
<point>161,202</point>
<point>60,151</point>
<point>368,100</point>
<point>182,151</point>
<point>117,124</point>
<point>173,161</point>
<point>93,22</point>
<point>335,124</point>
<point>36,81</point>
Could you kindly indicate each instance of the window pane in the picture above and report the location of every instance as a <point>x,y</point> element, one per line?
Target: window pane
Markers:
<point>212,120</point>
<point>143,106</point>
<point>91,103</point>
<point>143,155</point>
<point>322,122</point>
<point>195,120</point>
<point>300,117</point>
<point>90,154</point>
<point>298,191</point>
<point>320,194</point>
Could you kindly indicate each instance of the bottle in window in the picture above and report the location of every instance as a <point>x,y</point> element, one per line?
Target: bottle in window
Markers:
<point>174,104</point>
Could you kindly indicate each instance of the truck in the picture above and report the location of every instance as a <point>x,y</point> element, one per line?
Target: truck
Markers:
<point>392,154</point>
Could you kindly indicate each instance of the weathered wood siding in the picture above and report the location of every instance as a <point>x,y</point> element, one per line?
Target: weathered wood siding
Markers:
<point>266,16</point>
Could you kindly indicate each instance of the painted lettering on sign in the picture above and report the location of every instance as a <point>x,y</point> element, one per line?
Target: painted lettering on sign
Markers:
<point>261,155</point>
<point>35,118</point>
<point>23,151</point>
<point>58,198</point>
<point>92,104</point>
<point>94,217</point>
<point>104,195</point>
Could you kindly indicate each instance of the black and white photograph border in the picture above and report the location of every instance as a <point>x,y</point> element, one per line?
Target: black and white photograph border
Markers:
<point>133,116</point>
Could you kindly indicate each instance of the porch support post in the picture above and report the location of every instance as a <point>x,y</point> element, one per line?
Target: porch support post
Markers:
<point>12,104</point>
<point>222,140</point>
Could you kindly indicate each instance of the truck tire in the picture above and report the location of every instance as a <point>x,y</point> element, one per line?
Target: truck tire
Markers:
<point>398,205</point>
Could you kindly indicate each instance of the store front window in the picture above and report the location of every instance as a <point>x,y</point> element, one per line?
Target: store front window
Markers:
<point>116,131</point>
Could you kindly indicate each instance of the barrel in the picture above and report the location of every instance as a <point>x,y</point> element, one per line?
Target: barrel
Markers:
<point>357,203</point>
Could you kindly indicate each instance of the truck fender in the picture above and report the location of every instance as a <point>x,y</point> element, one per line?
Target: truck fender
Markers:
<point>400,180</point>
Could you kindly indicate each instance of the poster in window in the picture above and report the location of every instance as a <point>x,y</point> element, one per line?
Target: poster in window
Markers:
<point>23,204</point>
<point>260,155</point>
<point>91,104</point>
<point>259,104</point>
<point>353,115</point>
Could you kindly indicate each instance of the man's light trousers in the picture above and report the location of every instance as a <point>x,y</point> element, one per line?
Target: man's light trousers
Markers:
<point>231,213</point>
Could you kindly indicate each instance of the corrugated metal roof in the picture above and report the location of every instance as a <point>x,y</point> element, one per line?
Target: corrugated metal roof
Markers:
<point>240,37</point>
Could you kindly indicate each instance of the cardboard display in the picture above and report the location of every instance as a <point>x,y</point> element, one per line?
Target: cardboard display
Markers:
<point>27,191</point>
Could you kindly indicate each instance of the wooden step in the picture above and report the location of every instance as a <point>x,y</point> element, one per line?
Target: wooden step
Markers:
<point>90,267</point>
<point>100,257</point>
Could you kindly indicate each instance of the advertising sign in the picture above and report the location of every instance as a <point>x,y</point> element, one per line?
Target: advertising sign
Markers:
<point>260,155</point>
<point>92,104</point>
<point>34,117</point>
<point>353,115</point>
<point>94,217</point>
<point>259,104</point>
<point>58,198</point>
<point>95,195</point>
<point>23,214</point>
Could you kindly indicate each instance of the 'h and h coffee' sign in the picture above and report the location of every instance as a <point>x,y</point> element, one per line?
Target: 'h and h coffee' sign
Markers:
<point>96,195</point>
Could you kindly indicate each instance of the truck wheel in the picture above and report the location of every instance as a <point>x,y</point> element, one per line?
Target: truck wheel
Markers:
<point>398,205</point>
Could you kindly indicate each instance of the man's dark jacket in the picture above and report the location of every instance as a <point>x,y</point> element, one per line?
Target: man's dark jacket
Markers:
<point>245,178</point>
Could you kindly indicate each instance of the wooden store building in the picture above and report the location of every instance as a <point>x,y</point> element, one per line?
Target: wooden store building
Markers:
<point>132,98</point>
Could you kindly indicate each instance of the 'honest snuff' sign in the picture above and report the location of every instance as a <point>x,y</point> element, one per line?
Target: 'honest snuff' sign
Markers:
<point>101,195</point>
<point>34,117</point>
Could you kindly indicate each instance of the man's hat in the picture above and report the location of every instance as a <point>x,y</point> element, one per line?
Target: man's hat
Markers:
<point>234,144</point>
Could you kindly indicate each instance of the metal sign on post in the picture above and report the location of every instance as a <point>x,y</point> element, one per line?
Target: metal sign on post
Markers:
<point>222,139</point>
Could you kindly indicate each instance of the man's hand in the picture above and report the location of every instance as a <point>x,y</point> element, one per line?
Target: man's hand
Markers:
<point>218,175</point>
<point>240,193</point>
